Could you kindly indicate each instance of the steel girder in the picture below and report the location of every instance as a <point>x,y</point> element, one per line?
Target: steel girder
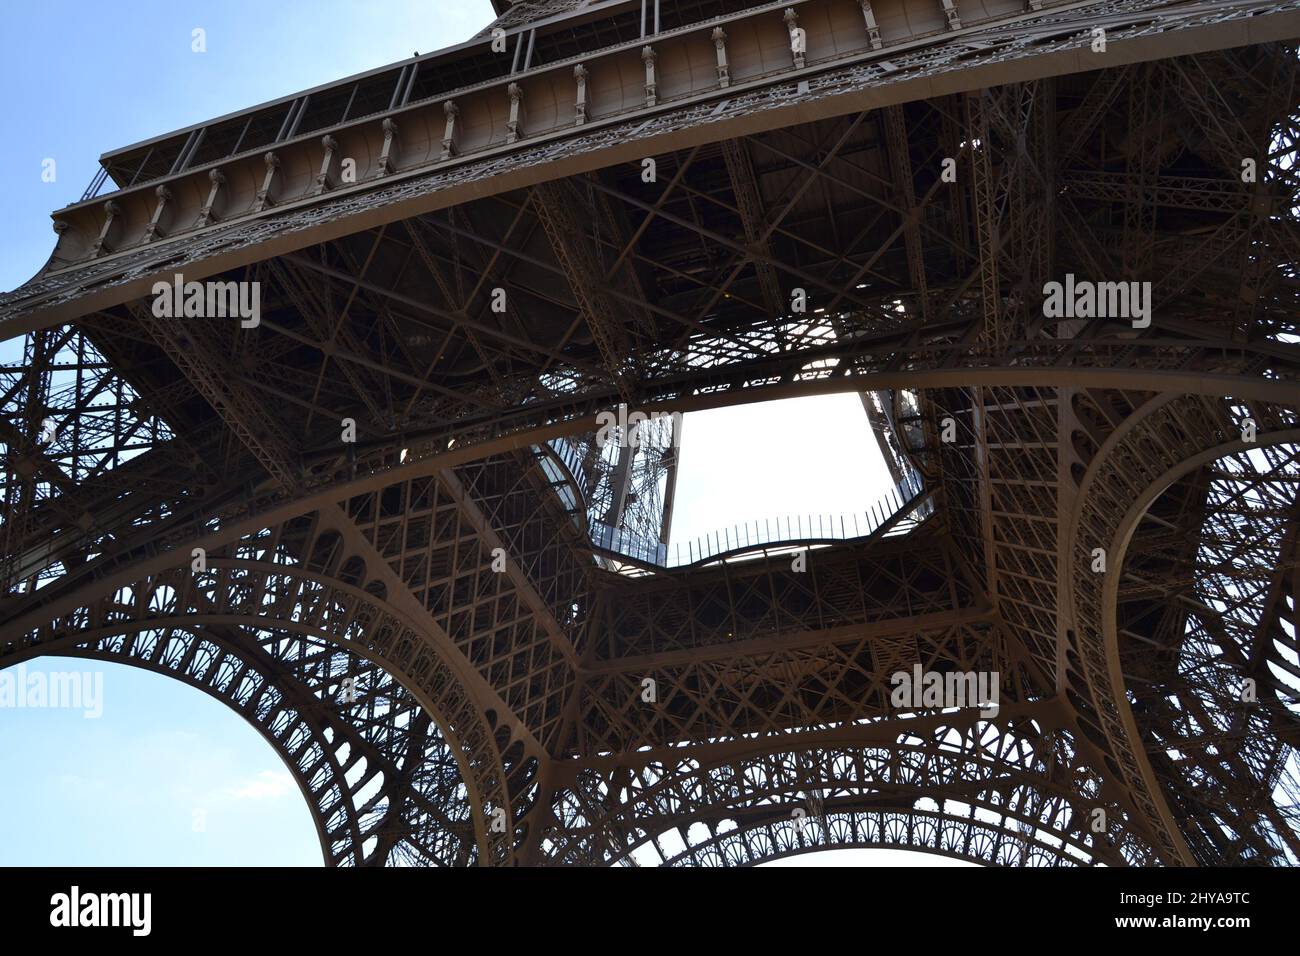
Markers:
<point>377,559</point>
<point>1024,46</point>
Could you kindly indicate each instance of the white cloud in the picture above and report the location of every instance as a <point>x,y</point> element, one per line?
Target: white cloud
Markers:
<point>267,785</point>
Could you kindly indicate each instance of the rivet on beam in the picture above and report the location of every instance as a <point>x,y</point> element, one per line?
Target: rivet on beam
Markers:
<point>580,105</point>
<point>152,231</point>
<point>950,11</point>
<point>111,211</point>
<point>512,125</point>
<point>648,57</point>
<point>264,194</point>
<point>720,44</point>
<point>218,179</point>
<point>387,156</point>
<point>323,177</point>
<point>797,42</point>
<point>450,110</point>
<point>873,31</point>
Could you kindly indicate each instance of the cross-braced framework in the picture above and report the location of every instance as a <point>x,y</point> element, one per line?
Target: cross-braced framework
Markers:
<point>383,521</point>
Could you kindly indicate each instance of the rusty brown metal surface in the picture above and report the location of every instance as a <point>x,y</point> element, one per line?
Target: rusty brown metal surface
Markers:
<point>382,513</point>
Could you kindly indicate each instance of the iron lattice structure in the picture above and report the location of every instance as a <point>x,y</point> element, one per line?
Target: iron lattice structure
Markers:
<point>445,626</point>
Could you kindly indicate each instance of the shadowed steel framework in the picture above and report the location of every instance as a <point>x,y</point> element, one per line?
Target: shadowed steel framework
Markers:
<point>459,623</point>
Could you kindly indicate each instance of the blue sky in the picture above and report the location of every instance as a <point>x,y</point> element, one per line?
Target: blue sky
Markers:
<point>132,786</point>
<point>166,775</point>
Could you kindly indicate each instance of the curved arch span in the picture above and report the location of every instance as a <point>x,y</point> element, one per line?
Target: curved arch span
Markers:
<point>1163,440</point>
<point>1000,794</point>
<point>280,598</point>
<point>351,759</point>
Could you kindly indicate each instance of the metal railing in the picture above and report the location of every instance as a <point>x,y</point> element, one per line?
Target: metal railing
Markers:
<point>889,514</point>
<point>95,186</point>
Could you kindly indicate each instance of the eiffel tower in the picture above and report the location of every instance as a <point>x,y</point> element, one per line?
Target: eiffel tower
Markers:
<point>314,415</point>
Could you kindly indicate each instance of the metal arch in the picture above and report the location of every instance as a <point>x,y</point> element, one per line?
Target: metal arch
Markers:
<point>1120,540</point>
<point>917,831</point>
<point>364,626</point>
<point>300,742</point>
<point>1194,632</point>
<point>1132,469</point>
<point>313,795</point>
<point>388,478</point>
<point>897,763</point>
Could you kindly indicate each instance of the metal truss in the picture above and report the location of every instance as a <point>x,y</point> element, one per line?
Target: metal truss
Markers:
<point>1002,793</point>
<point>179,495</point>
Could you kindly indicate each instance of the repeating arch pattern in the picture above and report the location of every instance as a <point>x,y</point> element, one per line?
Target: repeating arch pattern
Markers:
<point>1016,779</point>
<point>917,830</point>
